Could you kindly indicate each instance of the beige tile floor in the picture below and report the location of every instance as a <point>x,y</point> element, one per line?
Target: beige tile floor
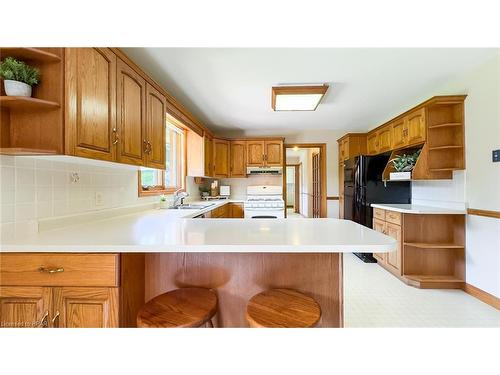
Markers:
<point>292,215</point>
<point>375,298</point>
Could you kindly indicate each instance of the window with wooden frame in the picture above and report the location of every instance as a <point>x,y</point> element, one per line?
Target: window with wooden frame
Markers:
<point>173,177</point>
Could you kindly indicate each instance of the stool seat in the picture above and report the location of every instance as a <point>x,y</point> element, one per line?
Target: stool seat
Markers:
<point>184,307</point>
<point>285,308</point>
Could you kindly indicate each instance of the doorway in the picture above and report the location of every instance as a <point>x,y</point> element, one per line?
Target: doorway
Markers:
<point>304,180</point>
<point>293,188</point>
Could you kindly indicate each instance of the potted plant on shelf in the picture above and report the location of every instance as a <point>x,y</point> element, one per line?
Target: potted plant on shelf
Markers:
<point>18,77</point>
<point>404,164</point>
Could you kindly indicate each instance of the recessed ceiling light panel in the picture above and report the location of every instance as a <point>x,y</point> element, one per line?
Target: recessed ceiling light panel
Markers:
<point>297,98</point>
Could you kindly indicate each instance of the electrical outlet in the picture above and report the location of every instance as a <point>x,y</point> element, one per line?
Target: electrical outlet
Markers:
<point>496,156</point>
<point>98,198</point>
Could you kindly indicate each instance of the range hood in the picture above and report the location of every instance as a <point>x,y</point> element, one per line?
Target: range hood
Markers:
<point>264,170</point>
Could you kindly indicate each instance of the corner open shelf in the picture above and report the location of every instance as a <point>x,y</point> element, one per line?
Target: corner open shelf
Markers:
<point>35,125</point>
<point>434,250</point>
<point>27,103</point>
<point>29,54</point>
<point>423,245</point>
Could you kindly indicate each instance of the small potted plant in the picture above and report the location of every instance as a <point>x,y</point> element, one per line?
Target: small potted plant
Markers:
<point>163,201</point>
<point>403,164</point>
<point>18,77</point>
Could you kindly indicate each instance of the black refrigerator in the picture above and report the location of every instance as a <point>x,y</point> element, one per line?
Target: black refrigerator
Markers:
<point>363,186</point>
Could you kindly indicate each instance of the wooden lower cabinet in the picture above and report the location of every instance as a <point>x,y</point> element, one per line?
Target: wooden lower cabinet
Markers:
<point>236,210</point>
<point>430,248</point>
<point>392,259</point>
<point>75,307</point>
<point>64,302</point>
<point>24,306</point>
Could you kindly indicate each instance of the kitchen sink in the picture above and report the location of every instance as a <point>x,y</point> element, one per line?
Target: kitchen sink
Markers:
<point>191,206</point>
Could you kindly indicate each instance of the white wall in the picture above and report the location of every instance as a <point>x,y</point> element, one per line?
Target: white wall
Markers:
<point>38,188</point>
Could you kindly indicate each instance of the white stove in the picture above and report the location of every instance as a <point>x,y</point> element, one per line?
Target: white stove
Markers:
<point>264,202</point>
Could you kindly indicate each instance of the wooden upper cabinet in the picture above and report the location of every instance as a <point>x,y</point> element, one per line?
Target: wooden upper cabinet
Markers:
<point>344,145</point>
<point>238,163</point>
<point>24,307</point>
<point>90,91</point>
<point>372,143</point>
<point>209,156</point>
<point>131,115</point>
<point>274,153</point>
<point>80,307</point>
<point>415,125</point>
<point>255,153</point>
<point>398,129</point>
<point>156,109</point>
<point>221,158</point>
<point>384,139</point>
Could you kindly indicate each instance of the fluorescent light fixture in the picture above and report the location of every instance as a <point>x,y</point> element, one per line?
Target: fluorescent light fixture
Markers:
<point>297,98</point>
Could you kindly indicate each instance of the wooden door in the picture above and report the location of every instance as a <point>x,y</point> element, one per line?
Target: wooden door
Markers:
<point>80,307</point>
<point>238,162</point>
<point>221,158</point>
<point>316,182</point>
<point>379,226</point>
<point>394,257</point>
<point>156,109</point>
<point>415,123</point>
<point>90,97</point>
<point>209,156</point>
<point>131,115</point>
<point>372,143</point>
<point>341,190</point>
<point>399,134</point>
<point>384,139</point>
<point>255,153</point>
<point>24,307</point>
<point>274,153</point>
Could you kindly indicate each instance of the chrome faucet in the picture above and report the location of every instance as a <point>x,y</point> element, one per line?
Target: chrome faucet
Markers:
<point>179,195</point>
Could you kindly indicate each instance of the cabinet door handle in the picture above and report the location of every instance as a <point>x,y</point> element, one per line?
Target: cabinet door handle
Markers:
<point>150,147</point>
<point>55,320</point>
<point>43,321</point>
<point>145,148</point>
<point>116,136</point>
<point>51,269</point>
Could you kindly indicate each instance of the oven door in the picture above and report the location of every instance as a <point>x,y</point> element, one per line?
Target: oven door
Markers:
<point>263,213</point>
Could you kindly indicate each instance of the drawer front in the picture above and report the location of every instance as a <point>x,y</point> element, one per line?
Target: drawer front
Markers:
<point>393,217</point>
<point>33,269</point>
<point>379,214</point>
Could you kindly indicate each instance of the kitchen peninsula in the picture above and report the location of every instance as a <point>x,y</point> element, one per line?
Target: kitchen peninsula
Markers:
<point>150,252</point>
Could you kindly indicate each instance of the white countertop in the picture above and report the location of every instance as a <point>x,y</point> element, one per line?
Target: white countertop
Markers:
<point>167,230</point>
<point>418,209</point>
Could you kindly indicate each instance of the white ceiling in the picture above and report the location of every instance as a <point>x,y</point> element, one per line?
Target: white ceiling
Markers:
<point>231,88</point>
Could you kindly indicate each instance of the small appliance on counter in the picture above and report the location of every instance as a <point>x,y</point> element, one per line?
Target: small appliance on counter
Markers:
<point>224,190</point>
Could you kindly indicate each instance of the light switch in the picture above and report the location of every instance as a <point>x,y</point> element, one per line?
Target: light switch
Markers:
<point>496,156</point>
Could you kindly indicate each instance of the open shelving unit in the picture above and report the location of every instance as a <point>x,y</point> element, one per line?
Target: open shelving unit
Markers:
<point>444,148</point>
<point>34,125</point>
<point>434,251</point>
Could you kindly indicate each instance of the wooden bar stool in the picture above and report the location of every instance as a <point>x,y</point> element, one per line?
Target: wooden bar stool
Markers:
<point>184,307</point>
<point>285,308</point>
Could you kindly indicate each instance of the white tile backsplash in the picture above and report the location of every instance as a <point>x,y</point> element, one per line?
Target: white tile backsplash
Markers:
<point>440,193</point>
<point>38,188</point>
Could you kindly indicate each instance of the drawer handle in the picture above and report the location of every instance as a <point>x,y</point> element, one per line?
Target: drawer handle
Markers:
<point>51,269</point>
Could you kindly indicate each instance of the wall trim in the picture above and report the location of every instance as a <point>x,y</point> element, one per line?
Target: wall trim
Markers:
<point>485,213</point>
<point>480,294</point>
